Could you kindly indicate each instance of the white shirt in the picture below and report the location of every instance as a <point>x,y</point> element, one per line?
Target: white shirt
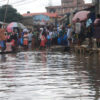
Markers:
<point>30,35</point>
<point>69,33</point>
<point>78,27</point>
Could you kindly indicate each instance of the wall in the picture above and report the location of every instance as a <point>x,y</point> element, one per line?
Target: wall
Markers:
<point>67,6</point>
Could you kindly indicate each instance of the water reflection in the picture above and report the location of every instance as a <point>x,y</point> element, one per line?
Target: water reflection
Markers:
<point>49,76</point>
<point>2,58</point>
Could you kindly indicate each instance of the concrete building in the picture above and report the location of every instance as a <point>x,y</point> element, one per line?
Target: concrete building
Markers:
<point>54,9</point>
<point>67,6</point>
<point>97,5</point>
<point>33,19</point>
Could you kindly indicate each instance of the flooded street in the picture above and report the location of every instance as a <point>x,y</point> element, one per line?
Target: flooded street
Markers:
<point>49,76</point>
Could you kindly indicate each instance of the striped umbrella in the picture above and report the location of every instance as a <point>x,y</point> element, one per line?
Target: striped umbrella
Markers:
<point>13,25</point>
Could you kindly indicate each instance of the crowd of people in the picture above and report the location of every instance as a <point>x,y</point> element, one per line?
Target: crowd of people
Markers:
<point>49,35</point>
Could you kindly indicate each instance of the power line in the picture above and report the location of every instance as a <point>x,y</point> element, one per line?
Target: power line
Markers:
<point>18,1</point>
<point>21,2</point>
<point>24,3</point>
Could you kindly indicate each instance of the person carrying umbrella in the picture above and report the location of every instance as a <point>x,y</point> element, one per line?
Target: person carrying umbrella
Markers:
<point>78,30</point>
<point>14,39</point>
<point>89,27</point>
<point>69,35</point>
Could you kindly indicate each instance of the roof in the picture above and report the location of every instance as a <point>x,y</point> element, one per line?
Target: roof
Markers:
<point>54,7</point>
<point>89,4</point>
<point>52,15</point>
<point>2,22</point>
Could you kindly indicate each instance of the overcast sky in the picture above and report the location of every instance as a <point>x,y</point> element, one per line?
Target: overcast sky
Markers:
<point>32,5</point>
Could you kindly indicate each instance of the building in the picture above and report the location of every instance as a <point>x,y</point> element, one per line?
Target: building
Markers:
<point>67,6</point>
<point>33,19</point>
<point>97,6</point>
<point>54,9</point>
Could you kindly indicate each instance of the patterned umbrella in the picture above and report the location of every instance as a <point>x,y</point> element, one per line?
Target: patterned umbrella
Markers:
<point>82,15</point>
<point>13,25</point>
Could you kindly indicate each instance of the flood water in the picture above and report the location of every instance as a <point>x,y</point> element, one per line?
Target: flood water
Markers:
<point>49,76</point>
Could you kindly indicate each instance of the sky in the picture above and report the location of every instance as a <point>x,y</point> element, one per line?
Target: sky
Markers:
<point>33,6</point>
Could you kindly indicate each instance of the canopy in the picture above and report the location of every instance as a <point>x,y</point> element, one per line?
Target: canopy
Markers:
<point>82,15</point>
<point>13,25</point>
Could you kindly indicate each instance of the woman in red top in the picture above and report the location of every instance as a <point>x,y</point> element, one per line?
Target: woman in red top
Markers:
<point>25,42</point>
<point>43,41</point>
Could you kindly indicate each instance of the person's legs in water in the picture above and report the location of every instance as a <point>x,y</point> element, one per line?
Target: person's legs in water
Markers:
<point>90,43</point>
<point>97,42</point>
<point>79,40</point>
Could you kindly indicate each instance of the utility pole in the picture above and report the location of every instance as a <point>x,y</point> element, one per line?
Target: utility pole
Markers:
<point>99,6</point>
<point>6,11</point>
<point>77,5</point>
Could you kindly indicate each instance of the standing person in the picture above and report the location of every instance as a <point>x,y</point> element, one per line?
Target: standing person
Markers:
<point>21,38</point>
<point>14,39</point>
<point>97,30</point>
<point>89,21</point>
<point>25,40</point>
<point>36,39</point>
<point>55,37</point>
<point>78,30</point>
<point>3,45</point>
<point>69,35</point>
<point>51,34</point>
<point>89,28</point>
<point>48,40</point>
<point>2,40</point>
<point>43,41</point>
<point>30,35</point>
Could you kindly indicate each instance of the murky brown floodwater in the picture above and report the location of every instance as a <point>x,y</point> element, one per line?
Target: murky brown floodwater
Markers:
<point>49,76</point>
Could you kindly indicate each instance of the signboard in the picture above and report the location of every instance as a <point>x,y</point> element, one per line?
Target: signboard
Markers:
<point>41,19</point>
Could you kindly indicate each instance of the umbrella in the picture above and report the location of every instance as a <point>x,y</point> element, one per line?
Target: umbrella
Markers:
<point>82,15</point>
<point>13,25</point>
<point>25,30</point>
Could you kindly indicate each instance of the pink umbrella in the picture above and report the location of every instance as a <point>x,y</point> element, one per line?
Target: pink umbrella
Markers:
<point>10,28</point>
<point>82,15</point>
<point>15,25</point>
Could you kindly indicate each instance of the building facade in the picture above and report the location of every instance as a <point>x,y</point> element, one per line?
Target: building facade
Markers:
<point>67,6</point>
<point>33,19</point>
<point>97,6</point>
<point>54,9</point>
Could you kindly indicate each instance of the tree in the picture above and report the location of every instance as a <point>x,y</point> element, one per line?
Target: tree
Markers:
<point>12,14</point>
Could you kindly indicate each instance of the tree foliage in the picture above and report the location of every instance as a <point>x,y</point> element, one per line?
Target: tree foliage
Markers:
<point>12,14</point>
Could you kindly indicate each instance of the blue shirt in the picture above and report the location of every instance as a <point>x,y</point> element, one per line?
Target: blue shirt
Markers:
<point>88,23</point>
